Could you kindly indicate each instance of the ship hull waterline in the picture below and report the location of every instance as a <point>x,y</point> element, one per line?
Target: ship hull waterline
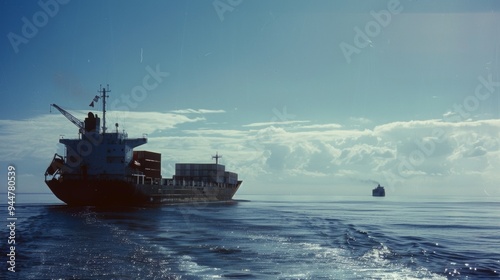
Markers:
<point>118,193</point>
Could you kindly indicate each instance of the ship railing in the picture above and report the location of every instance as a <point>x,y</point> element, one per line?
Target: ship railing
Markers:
<point>152,181</point>
<point>139,178</point>
<point>143,180</point>
<point>70,176</point>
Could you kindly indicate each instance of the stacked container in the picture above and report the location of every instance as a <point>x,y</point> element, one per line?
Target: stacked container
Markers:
<point>212,173</point>
<point>149,163</point>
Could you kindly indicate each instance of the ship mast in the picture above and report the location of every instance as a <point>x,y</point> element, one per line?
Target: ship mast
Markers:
<point>216,157</point>
<point>103,96</point>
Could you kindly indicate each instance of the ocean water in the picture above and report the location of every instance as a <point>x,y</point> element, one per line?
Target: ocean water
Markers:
<point>258,237</point>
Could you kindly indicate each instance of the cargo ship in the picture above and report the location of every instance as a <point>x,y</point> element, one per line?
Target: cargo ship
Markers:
<point>101,168</point>
<point>378,191</point>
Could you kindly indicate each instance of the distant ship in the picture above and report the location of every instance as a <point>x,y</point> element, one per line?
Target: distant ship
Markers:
<point>378,191</point>
<point>101,168</point>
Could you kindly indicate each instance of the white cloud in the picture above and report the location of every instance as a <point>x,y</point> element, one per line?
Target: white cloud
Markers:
<point>137,123</point>
<point>277,123</point>
<point>197,111</point>
<point>360,120</point>
<point>322,126</point>
<point>397,154</point>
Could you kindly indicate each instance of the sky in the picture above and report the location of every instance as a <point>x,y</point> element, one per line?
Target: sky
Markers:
<point>300,97</point>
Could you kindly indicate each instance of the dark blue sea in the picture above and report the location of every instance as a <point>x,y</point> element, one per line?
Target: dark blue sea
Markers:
<point>258,237</point>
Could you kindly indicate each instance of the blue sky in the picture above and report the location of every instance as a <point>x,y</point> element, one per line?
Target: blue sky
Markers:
<point>267,84</point>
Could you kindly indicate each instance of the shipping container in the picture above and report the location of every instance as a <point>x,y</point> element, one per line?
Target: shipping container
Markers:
<point>139,155</point>
<point>149,163</point>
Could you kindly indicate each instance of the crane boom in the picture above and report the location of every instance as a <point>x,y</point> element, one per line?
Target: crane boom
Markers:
<point>70,117</point>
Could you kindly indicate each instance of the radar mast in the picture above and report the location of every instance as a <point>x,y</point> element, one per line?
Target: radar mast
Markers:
<point>216,157</point>
<point>103,91</point>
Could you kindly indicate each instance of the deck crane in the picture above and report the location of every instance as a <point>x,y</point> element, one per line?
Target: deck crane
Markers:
<point>71,118</point>
<point>92,122</point>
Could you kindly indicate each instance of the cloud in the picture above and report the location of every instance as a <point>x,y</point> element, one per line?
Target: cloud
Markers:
<point>421,153</point>
<point>197,111</point>
<point>277,123</point>
<point>322,126</point>
<point>148,122</point>
<point>399,153</point>
<point>360,120</point>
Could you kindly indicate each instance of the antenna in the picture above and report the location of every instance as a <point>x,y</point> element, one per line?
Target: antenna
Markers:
<point>103,96</point>
<point>216,157</point>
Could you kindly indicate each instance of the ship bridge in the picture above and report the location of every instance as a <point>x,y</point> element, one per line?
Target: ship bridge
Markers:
<point>94,153</point>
